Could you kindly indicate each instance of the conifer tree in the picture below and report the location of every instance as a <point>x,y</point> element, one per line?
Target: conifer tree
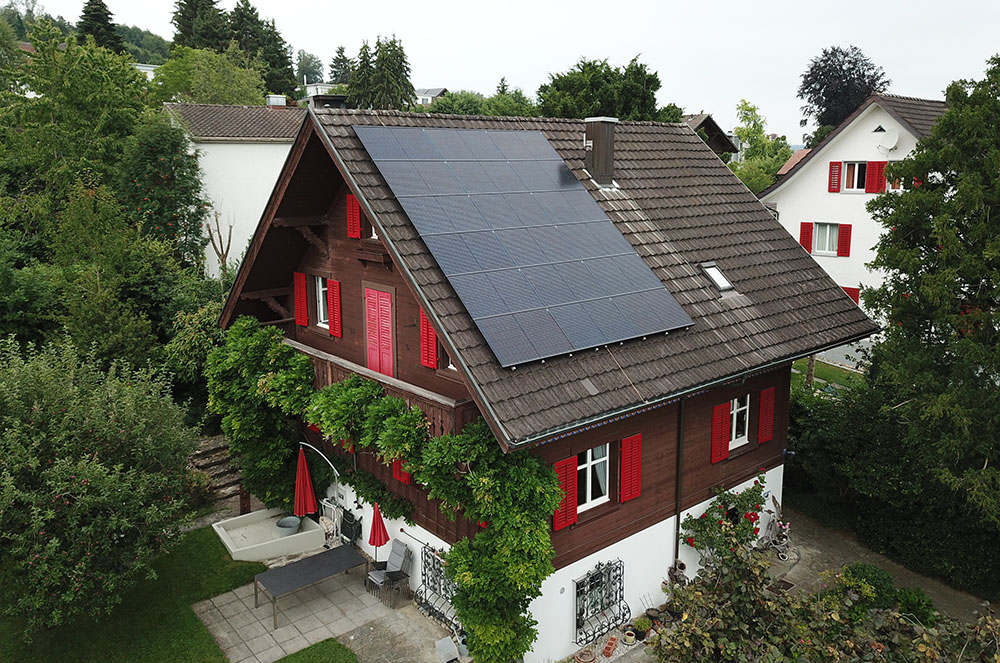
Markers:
<point>200,24</point>
<point>359,85</point>
<point>276,54</point>
<point>391,86</point>
<point>96,21</point>
<point>246,27</point>
<point>340,68</point>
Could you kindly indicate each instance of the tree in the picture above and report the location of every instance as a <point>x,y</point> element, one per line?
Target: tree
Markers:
<point>200,24</point>
<point>308,68</point>
<point>159,184</point>
<point>508,101</point>
<point>246,27</point>
<point>836,82</point>
<point>205,77</point>
<point>10,58</point>
<point>763,155</point>
<point>276,54</point>
<point>96,22</point>
<point>340,68</point>
<point>463,102</point>
<point>143,45</point>
<point>940,300</point>
<point>391,86</point>
<point>360,92</point>
<point>92,483</point>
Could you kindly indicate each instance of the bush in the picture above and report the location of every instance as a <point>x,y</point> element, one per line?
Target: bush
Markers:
<point>197,489</point>
<point>914,601</point>
<point>881,582</point>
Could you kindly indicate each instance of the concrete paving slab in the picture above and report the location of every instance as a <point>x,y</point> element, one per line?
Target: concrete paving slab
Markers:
<point>271,655</point>
<point>317,635</point>
<point>261,644</point>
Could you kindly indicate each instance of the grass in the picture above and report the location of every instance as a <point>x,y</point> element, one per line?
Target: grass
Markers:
<point>327,651</point>
<point>824,372</point>
<point>154,623</point>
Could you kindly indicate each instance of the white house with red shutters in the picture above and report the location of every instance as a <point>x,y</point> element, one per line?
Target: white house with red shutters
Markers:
<point>821,199</point>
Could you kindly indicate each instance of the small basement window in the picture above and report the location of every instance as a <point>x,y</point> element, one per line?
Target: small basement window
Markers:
<point>718,279</point>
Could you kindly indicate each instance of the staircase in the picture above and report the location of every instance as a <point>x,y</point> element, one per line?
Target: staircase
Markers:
<point>212,457</point>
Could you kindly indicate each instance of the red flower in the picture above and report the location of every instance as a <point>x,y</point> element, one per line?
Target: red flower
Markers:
<point>720,522</point>
<point>690,541</point>
<point>756,530</point>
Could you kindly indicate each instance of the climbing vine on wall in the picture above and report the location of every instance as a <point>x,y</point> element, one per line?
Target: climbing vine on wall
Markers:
<point>258,384</point>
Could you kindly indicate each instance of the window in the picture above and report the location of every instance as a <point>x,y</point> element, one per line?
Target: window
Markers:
<point>739,421</point>
<point>855,173</point>
<point>600,603</point>
<point>322,303</point>
<point>825,239</point>
<point>719,280</point>
<point>592,477</point>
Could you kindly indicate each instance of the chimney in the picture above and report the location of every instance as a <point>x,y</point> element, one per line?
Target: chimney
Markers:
<point>599,149</point>
<point>276,100</point>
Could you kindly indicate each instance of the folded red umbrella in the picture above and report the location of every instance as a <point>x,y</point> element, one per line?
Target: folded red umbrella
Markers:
<point>305,496</point>
<point>379,535</point>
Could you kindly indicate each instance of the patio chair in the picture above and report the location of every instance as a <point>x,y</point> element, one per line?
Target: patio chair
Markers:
<point>388,581</point>
<point>350,528</point>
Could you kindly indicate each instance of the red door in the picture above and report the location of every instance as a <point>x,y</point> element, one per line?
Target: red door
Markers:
<point>378,330</point>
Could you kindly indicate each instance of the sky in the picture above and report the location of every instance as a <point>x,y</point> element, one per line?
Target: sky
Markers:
<point>708,57</point>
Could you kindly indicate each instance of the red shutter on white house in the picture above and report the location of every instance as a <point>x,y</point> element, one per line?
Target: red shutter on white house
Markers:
<point>875,177</point>
<point>833,185</point>
<point>333,307</point>
<point>853,293</point>
<point>844,240</point>
<point>631,468</point>
<point>806,236</point>
<point>301,301</point>
<point>353,217</point>
<point>428,343</point>
<point>399,474</point>
<point>720,432</point>
<point>765,420</point>
<point>565,514</point>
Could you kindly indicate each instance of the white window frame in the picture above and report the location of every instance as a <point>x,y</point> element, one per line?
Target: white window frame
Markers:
<point>833,230</point>
<point>737,405</point>
<point>322,304</point>
<point>587,465</point>
<point>853,189</point>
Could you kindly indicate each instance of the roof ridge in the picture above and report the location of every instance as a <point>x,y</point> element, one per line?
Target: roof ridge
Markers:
<point>904,96</point>
<point>494,118</point>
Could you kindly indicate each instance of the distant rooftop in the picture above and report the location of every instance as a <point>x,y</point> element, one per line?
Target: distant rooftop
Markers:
<point>251,123</point>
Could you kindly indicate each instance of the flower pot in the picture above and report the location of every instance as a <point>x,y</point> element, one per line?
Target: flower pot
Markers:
<point>288,525</point>
<point>674,611</point>
<point>587,655</point>
<point>629,638</point>
<point>654,614</point>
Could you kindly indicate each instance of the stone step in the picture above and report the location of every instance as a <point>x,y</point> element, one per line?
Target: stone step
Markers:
<point>210,445</point>
<point>213,459</point>
<point>226,492</point>
<point>220,470</point>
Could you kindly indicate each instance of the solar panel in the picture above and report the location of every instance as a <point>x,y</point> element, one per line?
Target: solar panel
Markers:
<point>536,262</point>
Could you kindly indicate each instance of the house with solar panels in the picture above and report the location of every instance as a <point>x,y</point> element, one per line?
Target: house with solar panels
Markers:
<point>605,295</point>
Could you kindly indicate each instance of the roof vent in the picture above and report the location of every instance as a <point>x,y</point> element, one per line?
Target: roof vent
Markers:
<point>599,149</point>
<point>276,100</point>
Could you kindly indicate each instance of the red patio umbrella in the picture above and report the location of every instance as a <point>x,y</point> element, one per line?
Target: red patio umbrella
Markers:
<point>379,536</point>
<point>305,496</point>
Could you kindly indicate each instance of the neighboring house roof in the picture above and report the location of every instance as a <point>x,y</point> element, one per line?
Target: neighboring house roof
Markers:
<point>430,91</point>
<point>678,206</point>
<point>792,160</point>
<point>251,123</point>
<point>916,115</point>
<point>718,140</point>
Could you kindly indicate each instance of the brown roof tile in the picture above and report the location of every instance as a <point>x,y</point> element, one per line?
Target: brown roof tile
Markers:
<point>208,121</point>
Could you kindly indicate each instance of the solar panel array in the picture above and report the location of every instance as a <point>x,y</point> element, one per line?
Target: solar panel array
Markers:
<point>536,262</point>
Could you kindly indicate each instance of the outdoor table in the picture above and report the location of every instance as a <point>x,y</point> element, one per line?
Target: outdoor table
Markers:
<point>298,575</point>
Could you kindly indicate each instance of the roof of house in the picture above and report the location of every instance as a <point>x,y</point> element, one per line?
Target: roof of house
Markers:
<point>792,160</point>
<point>679,206</point>
<point>430,91</point>
<point>228,122</point>
<point>916,115</point>
<point>718,140</point>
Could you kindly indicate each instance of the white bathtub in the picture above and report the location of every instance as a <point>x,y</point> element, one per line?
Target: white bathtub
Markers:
<point>254,537</point>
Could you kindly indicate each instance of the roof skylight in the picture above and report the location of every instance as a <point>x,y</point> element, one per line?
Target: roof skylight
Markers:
<point>719,279</point>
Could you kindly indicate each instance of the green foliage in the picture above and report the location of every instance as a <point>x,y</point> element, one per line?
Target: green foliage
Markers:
<point>462,102</point>
<point>881,582</point>
<point>200,24</point>
<point>308,68</point>
<point>381,79</point>
<point>914,602</point>
<point>731,521</point>
<point>762,155</point>
<point>92,484</point>
<point>201,76</point>
<point>30,299</point>
<point>276,54</point>
<point>816,137</point>
<point>143,45</point>
<point>836,82</point>
<point>326,651</point>
<point>506,102</point>
<point>340,68</point>
<point>595,88</point>
<point>339,409</point>
<point>96,22</point>
<point>642,624</point>
<point>159,184</point>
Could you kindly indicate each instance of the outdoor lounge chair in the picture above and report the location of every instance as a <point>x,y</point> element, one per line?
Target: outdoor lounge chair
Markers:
<point>350,528</point>
<point>386,582</point>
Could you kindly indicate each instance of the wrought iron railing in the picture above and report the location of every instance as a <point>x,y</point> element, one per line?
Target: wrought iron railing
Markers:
<point>433,596</point>
<point>600,604</point>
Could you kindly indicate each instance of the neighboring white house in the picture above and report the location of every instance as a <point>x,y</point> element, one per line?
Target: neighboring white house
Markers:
<point>426,95</point>
<point>821,198</point>
<point>241,150</point>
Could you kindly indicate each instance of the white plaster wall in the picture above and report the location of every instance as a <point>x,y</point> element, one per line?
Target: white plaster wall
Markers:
<point>238,179</point>
<point>772,486</point>
<point>646,555</point>
<point>804,197</point>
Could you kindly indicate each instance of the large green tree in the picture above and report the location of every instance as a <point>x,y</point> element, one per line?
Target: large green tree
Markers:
<point>940,300</point>
<point>340,68</point>
<point>200,24</point>
<point>391,86</point>
<point>96,22</point>
<point>762,155</point>
<point>460,102</point>
<point>308,68</point>
<point>359,87</point>
<point>202,76</point>
<point>276,54</point>
<point>92,484</point>
<point>836,82</point>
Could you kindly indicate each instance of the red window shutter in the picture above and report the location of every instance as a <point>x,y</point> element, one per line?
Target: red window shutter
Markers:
<point>371,328</point>
<point>565,515</point>
<point>806,236</point>
<point>631,468</point>
<point>428,343</point>
<point>720,432</point>
<point>399,474</point>
<point>353,217</point>
<point>844,240</point>
<point>853,293</point>
<point>333,307</point>
<point>765,420</point>
<point>875,177</point>
<point>385,333</point>
<point>834,183</point>
<point>301,303</point>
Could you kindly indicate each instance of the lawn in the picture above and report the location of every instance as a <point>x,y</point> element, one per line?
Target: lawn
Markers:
<point>825,373</point>
<point>327,651</point>
<point>154,623</point>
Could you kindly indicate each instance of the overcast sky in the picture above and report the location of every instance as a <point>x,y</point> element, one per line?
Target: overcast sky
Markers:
<point>709,55</point>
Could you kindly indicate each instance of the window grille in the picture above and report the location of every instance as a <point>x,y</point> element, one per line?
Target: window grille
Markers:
<point>600,605</point>
<point>433,597</point>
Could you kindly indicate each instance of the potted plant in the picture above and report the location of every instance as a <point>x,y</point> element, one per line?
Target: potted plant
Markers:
<point>630,635</point>
<point>642,626</point>
<point>674,607</point>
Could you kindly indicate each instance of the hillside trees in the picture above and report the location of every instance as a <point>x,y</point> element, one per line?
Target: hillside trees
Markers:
<point>763,155</point>
<point>143,45</point>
